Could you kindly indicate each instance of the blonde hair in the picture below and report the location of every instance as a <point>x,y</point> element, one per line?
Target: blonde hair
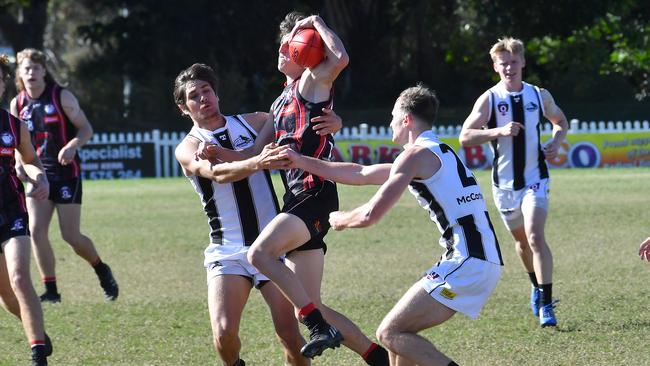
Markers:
<point>507,44</point>
<point>36,56</point>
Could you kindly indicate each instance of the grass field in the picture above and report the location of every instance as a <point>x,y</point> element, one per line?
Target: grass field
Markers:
<point>152,232</point>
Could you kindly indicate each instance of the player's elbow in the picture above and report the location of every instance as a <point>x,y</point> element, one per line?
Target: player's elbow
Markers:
<point>465,138</point>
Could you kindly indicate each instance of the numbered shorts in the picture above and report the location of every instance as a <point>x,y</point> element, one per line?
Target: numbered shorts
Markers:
<point>13,225</point>
<point>313,207</point>
<point>239,265</point>
<point>65,191</point>
<point>463,284</point>
<point>509,203</point>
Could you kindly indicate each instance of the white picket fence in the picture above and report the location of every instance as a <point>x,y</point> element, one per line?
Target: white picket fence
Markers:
<point>166,142</point>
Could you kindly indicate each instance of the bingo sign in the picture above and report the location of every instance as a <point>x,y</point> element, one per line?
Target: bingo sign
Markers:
<point>590,150</point>
<point>117,161</point>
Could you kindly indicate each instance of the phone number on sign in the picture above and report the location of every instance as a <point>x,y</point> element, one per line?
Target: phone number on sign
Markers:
<point>111,174</point>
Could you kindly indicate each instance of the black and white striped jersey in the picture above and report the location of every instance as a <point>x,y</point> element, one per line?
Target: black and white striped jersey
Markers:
<point>518,160</point>
<point>455,203</point>
<point>238,211</point>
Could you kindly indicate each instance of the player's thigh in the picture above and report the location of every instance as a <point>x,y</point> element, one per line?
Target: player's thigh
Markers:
<point>5,286</point>
<point>40,214</point>
<point>415,311</point>
<point>69,218</point>
<point>17,254</point>
<point>308,266</point>
<point>284,233</point>
<point>227,296</point>
<point>534,220</point>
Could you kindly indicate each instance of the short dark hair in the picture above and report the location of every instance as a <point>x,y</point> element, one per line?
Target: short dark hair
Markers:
<point>195,72</point>
<point>289,21</point>
<point>420,102</point>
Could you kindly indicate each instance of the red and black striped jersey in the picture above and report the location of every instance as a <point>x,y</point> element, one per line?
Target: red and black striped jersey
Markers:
<point>292,118</point>
<point>50,129</point>
<point>12,194</point>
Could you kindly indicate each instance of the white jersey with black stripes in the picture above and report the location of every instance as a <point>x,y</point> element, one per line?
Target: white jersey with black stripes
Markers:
<point>455,203</point>
<point>518,160</point>
<point>238,211</point>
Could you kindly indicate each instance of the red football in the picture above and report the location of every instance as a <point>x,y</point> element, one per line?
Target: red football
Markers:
<point>306,48</point>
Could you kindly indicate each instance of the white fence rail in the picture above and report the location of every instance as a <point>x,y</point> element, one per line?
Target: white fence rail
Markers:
<point>166,142</point>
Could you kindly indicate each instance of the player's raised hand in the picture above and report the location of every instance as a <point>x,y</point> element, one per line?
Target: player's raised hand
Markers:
<point>512,129</point>
<point>644,250</point>
<point>327,123</point>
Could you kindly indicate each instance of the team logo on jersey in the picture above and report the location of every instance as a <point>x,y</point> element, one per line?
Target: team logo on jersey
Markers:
<point>534,187</point>
<point>30,124</point>
<point>242,141</point>
<point>65,192</point>
<point>18,225</point>
<point>49,109</point>
<point>531,107</point>
<point>25,114</point>
<point>503,107</point>
<point>447,293</point>
<point>7,139</point>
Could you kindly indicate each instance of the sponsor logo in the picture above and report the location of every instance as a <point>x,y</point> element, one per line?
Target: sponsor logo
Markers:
<point>6,151</point>
<point>469,198</point>
<point>18,225</point>
<point>30,124</point>
<point>51,119</point>
<point>447,293</point>
<point>534,187</point>
<point>242,141</point>
<point>65,192</point>
<point>503,107</point>
<point>49,109</point>
<point>432,276</point>
<point>531,107</point>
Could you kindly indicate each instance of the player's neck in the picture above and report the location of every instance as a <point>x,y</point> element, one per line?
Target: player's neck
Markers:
<point>34,90</point>
<point>211,123</point>
<point>513,86</point>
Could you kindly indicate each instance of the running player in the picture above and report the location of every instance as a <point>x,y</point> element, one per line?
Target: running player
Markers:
<point>16,289</point>
<point>300,228</point>
<point>59,128</point>
<point>468,271</point>
<point>236,211</point>
<point>509,116</point>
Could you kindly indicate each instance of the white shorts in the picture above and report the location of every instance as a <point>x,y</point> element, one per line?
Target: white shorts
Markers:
<point>236,265</point>
<point>462,284</point>
<point>509,202</point>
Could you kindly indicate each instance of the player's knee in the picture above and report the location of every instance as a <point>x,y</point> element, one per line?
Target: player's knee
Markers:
<point>536,241</point>
<point>20,281</point>
<point>258,258</point>
<point>384,334</point>
<point>71,237</point>
<point>223,336</point>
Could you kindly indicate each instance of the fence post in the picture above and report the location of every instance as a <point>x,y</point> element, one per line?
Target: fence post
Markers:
<point>156,150</point>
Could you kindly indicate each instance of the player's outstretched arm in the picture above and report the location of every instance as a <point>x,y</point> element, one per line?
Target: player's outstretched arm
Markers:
<point>225,172</point>
<point>407,166</point>
<point>340,172</point>
<point>473,134</point>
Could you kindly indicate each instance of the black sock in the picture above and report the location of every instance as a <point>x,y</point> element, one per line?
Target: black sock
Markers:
<point>38,352</point>
<point>314,320</point>
<point>239,362</point>
<point>50,287</point>
<point>452,363</point>
<point>533,279</point>
<point>547,293</point>
<point>101,269</point>
<point>377,357</point>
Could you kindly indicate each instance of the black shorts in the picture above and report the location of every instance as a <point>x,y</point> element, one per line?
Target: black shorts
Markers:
<point>65,191</point>
<point>313,207</point>
<point>13,225</point>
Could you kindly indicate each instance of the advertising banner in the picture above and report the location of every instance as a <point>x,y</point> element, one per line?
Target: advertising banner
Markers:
<point>118,161</point>
<point>591,150</point>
